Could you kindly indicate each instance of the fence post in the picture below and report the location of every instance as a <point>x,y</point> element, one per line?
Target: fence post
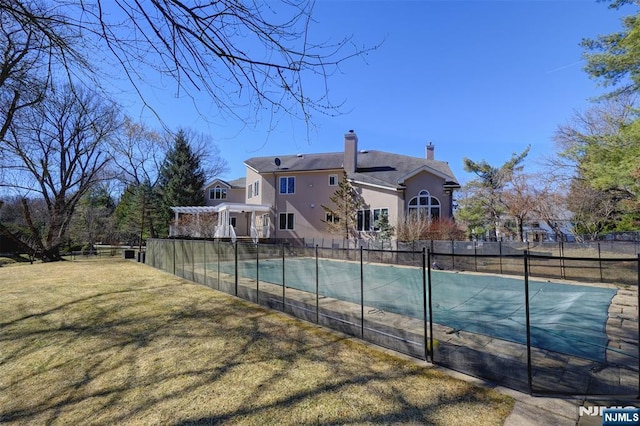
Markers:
<point>453,257</point>
<point>528,319</point>
<point>600,263</point>
<point>257,273</point>
<point>500,254</point>
<point>432,349</point>
<point>235,248</point>
<point>218,268</point>
<point>174,256</point>
<point>204,260</point>
<point>475,254</point>
<point>638,303</point>
<point>424,305</point>
<point>562,269</point>
<point>284,285</point>
<point>317,289</point>
<point>361,295</point>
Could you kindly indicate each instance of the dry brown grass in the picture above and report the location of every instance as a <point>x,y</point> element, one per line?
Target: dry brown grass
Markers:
<point>117,342</point>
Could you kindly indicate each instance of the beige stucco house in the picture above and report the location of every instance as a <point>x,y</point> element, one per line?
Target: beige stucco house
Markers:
<point>281,197</point>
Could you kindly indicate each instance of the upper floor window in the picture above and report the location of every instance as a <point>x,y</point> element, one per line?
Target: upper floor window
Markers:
<point>425,206</point>
<point>218,193</point>
<point>249,191</point>
<point>333,180</point>
<point>287,185</point>
<point>256,188</point>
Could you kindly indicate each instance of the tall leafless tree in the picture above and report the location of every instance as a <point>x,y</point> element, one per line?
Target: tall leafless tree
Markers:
<point>56,151</point>
<point>519,200</point>
<point>261,55</point>
<point>36,43</point>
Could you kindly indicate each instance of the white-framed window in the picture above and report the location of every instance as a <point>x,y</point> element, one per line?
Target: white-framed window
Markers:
<point>331,218</point>
<point>217,193</point>
<point>333,180</point>
<point>287,185</point>
<point>286,221</point>
<point>376,216</point>
<point>256,188</point>
<point>424,205</point>
<point>249,191</point>
<point>364,220</point>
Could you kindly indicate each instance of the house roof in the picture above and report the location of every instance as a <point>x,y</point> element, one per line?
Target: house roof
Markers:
<point>236,183</point>
<point>374,167</point>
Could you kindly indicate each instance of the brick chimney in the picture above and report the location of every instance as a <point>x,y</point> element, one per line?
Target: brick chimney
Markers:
<point>430,151</point>
<point>350,162</point>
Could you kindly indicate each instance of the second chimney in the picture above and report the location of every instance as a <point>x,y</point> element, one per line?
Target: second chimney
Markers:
<point>430,151</point>
<point>350,162</point>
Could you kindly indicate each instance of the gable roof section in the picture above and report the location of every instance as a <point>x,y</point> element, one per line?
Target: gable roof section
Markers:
<point>421,169</point>
<point>395,169</point>
<point>232,184</point>
<point>377,168</point>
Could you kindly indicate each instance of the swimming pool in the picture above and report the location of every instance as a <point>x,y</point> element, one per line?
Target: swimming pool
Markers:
<point>565,318</point>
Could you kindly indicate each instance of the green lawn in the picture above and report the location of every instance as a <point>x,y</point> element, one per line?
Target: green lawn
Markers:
<point>109,341</point>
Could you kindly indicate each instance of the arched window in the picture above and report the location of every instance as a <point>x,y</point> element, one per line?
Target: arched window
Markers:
<point>424,205</point>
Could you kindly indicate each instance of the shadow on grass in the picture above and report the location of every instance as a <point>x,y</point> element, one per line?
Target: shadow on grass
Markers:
<point>176,353</point>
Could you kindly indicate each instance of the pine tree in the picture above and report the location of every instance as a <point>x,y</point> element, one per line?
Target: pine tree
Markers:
<point>181,178</point>
<point>385,228</point>
<point>343,217</point>
<point>138,214</point>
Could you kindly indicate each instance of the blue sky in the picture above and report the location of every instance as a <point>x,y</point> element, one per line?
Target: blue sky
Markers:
<point>478,79</point>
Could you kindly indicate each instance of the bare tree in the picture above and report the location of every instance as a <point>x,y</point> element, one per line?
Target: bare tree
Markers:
<point>594,211</point>
<point>519,200</point>
<point>600,152</point>
<point>35,42</point>
<point>489,186</point>
<point>550,202</point>
<point>205,148</point>
<point>240,53</point>
<point>56,151</point>
<point>137,153</point>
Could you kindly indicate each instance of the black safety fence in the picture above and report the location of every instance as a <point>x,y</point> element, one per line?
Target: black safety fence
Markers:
<point>504,317</point>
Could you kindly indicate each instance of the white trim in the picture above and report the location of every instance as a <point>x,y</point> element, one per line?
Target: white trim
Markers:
<point>218,181</point>
<point>374,185</point>
<point>251,168</point>
<point>230,207</point>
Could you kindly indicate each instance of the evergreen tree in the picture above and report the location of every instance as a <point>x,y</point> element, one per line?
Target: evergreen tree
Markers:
<point>612,59</point>
<point>181,177</point>
<point>385,229</point>
<point>138,214</point>
<point>491,183</point>
<point>93,219</point>
<point>343,217</point>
